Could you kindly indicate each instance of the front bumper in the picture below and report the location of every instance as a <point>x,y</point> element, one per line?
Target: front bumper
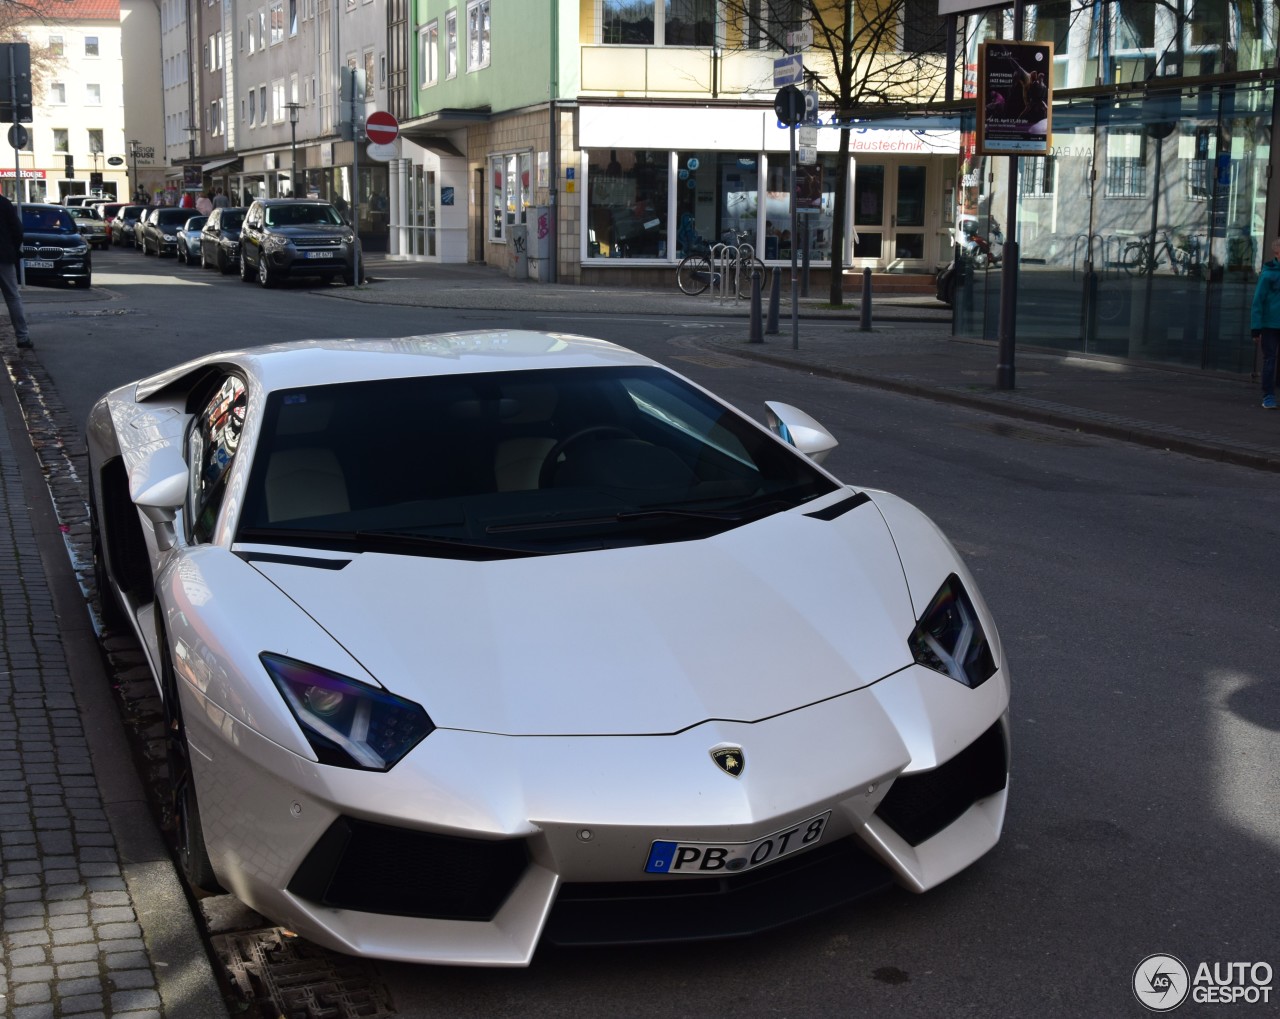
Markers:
<point>289,262</point>
<point>551,835</point>
<point>65,268</point>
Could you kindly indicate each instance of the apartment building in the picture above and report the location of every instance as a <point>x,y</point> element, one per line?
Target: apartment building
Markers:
<point>76,141</point>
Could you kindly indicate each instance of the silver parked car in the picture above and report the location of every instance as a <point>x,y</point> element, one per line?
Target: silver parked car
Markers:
<point>92,226</point>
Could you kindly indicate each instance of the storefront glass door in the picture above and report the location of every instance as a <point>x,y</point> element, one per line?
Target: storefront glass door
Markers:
<point>889,213</point>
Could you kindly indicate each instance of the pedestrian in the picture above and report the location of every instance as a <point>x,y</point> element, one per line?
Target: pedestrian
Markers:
<point>1264,322</point>
<point>10,252</point>
<point>220,200</point>
<point>204,204</point>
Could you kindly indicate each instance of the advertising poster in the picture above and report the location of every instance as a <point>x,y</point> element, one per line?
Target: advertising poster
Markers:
<point>1015,98</point>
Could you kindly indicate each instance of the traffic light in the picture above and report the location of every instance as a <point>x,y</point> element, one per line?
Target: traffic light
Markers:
<point>15,73</point>
<point>71,166</point>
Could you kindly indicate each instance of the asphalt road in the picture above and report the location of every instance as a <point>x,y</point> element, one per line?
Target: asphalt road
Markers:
<point>1134,591</point>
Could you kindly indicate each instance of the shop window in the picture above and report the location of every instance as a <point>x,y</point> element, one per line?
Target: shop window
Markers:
<point>717,199</point>
<point>627,203</point>
<point>511,191</point>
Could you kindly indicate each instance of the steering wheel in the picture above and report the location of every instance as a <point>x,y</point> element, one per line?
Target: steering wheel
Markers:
<point>553,454</point>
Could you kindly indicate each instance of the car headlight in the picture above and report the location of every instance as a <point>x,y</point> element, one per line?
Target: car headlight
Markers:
<point>274,242</point>
<point>349,724</point>
<point>949,637</point>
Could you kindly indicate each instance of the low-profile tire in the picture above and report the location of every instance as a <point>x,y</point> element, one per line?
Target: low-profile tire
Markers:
<point>223,264</point>
<point>109,609</point>
<point>180,256</point>
<point>245,275</point>
<point>266,279</point>
<point>184,806</point>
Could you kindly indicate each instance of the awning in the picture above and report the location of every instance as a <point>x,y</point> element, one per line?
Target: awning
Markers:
<point>219,164</point>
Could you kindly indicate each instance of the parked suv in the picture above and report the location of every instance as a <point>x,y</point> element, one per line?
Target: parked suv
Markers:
<point>284,237</point>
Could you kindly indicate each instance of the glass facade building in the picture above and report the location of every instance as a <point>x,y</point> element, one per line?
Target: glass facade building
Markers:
<point>1142,232</point>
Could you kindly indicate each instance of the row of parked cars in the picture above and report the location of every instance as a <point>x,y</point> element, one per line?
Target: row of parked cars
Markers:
<point>270,240</point>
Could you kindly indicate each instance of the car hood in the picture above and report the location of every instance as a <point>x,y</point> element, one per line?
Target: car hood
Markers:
<point>39,239</point>
<point>759,620</point>
<point>311,230</point>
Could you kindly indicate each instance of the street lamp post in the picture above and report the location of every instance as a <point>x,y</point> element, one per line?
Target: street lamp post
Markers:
<point>293,109</point>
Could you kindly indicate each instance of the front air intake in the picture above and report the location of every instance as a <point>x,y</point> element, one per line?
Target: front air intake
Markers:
<point>919,806</point>
<point>375,868</point>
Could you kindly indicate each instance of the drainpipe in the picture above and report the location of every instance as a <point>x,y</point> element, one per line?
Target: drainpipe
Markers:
<point>553,157</point>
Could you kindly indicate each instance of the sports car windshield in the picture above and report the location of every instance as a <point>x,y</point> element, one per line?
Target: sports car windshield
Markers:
<point>510,464</point>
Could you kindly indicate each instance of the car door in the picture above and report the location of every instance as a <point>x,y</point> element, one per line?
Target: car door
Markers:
<point>251,237</point>
<point>209,238</point>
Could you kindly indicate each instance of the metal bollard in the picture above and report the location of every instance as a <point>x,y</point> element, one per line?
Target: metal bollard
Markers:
<point>754,335</point>
<point>775,299</point>
<point>864,313</point>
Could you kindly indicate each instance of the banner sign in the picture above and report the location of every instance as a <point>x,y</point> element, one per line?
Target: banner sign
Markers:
<point>1015,98</point>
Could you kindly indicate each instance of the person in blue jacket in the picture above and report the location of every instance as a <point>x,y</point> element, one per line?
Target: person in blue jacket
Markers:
<point>1264,322</point>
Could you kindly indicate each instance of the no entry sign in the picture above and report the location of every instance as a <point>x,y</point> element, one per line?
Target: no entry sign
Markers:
<point>381,127</point>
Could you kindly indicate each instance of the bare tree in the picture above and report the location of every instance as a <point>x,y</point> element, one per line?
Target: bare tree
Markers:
<point>866,57</point>
<point>16,20</point>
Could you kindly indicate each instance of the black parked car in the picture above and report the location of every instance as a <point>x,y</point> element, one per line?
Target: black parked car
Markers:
<point>220,239</point>
<point>123,226</point>
<point>53,248</point>
<point>296,237</point>
<point>160,230</point>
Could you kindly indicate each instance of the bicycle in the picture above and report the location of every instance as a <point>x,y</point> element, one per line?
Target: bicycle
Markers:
<point>698,270</point>
<point>1138,258</point>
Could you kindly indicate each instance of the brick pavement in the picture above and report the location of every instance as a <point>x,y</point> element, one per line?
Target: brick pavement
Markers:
<point>91,915</point>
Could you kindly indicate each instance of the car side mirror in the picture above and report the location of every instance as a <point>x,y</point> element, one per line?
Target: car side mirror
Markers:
<point>794,426</point>
<point>160,495</point>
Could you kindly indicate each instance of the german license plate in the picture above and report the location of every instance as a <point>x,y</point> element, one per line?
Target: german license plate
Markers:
<point>38,263</point>
<point>319,254</point>
<point>735,857</point>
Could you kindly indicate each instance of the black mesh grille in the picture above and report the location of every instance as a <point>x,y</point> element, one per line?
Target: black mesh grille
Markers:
<point>376,868</point>
<point>919,806</point>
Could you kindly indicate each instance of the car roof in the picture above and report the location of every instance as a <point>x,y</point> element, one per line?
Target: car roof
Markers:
<point>301,363</point>
<point>292,201</point>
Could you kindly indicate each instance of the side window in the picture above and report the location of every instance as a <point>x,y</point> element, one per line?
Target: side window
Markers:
<point>211,451</point>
